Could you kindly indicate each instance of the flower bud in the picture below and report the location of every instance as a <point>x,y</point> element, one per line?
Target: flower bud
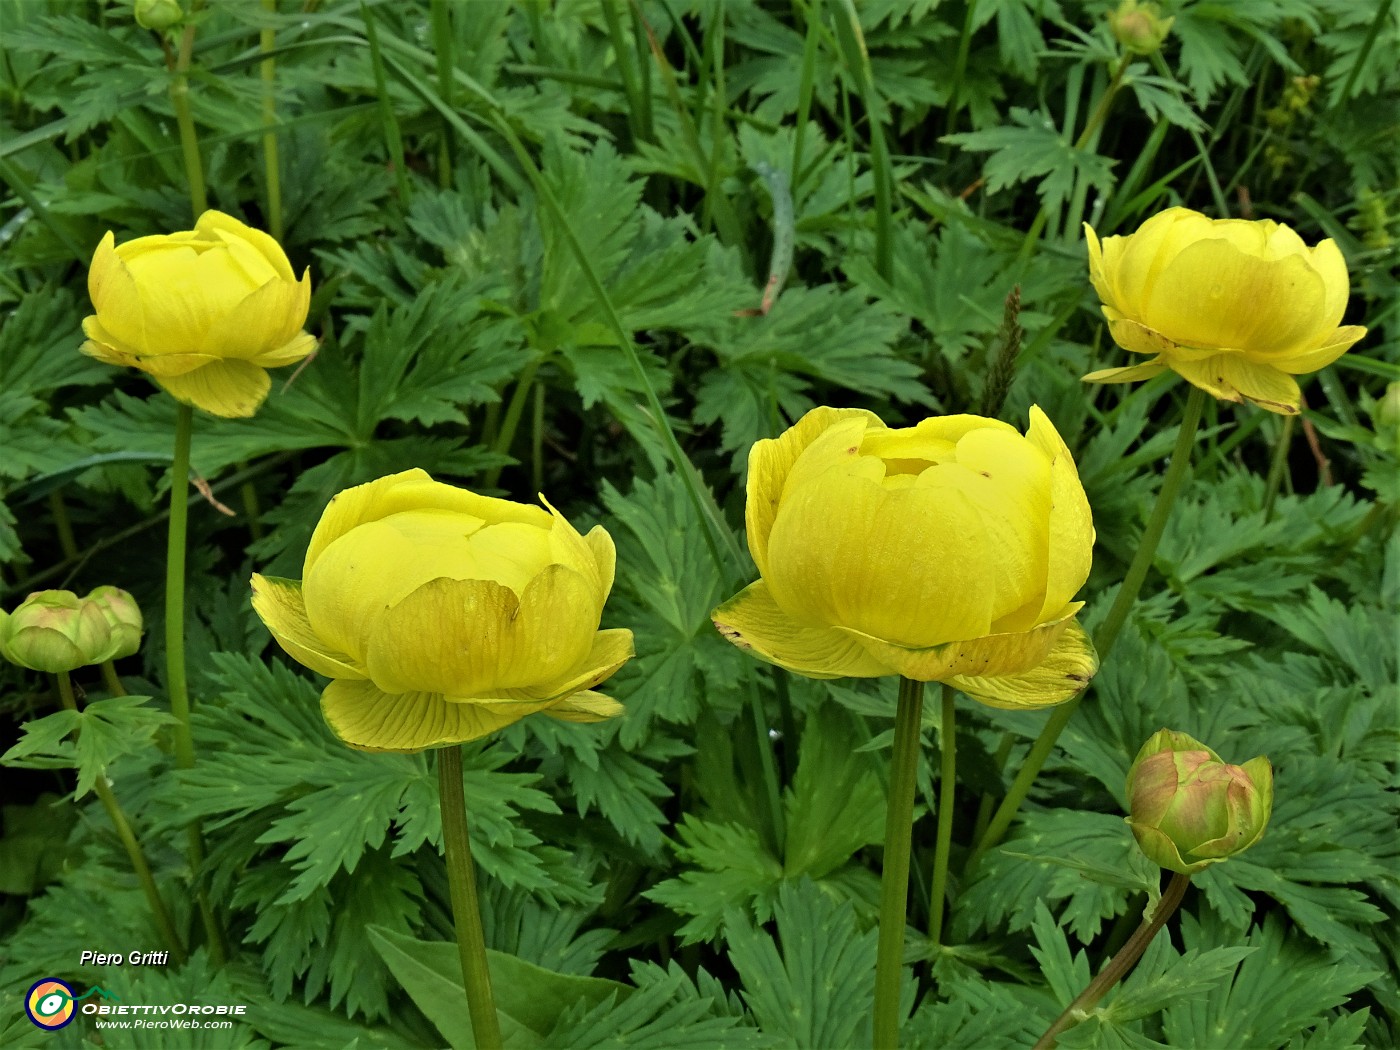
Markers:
<point>123,618</point>
<point>1189,808</point>
<point>1140,28</point>
<point>56,631</point>
<point>159,15</point>
<point>1387,410</point>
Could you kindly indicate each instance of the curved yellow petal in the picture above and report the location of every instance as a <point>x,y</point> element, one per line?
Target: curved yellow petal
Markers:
<point>991,656</point>
<point>183,292</point>
<point>566,547</point>
<point>885,561</point>
<point>215,225</point>
<point>1331,267</point>
<point>266,319</point>
<point>279,605</point>
<point>1215,295</point>
<point>1138,338</point>
<point>1100,271</point>
<point>1233,378</point>
<point>609,650</point>
<point>1127,374</point>
<point>772,459</point>
<point>600,545</point>
<point>299,346</point>
<point>231,389</point>
<point>585,707</point>
<point>1068,668</point>
<point>1071,529</point>
<point>1334,346</point>
<point>410,490</point>
<point>753,622</point>
<point>1141,257</point>
<point>467,638</point>
<point>365,717</point>
<point>116,296</point>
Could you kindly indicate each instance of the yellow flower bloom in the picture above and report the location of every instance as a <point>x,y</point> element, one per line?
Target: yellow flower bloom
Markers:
<point>205,312</point>
<point>442,616</point>
<point>947,551</point>
<point>1237,308</point>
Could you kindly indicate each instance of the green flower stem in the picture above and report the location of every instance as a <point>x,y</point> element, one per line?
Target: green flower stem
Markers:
<point>1276,465</point>
<point>466,912</point>
<point>506,436</point>
<point>947,789</point>
<point>189,139</point>
<point>128,837</point>
<point>1177,472</point>
<point>62,525</point>
<point>272,170</point>
<point>176,680</point>
<point>112,679</point>
<point>1119,965</point>
<point>894,883</point>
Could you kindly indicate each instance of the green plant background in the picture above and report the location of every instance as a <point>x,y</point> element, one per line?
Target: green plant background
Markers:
<point>902,165</point>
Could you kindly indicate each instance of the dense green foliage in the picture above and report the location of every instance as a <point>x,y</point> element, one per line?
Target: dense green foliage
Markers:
<point>499,205</point>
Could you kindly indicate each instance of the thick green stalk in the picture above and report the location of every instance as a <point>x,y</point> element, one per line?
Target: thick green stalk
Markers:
<point>176,680</point>
<point>1176,475</point>
<point>129,841</point>
<point>947,792</point>
<point>184,120</point>
<point>466,912</point>
<point>1119,965</point>
<point>272,171</point>
<point>894,882</point>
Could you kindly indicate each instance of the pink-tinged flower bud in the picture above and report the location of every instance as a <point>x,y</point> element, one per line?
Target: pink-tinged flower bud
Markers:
<point>1139,27</point>
<point>56,631</point>
<point>123,617</point>
<point>1189,808</point>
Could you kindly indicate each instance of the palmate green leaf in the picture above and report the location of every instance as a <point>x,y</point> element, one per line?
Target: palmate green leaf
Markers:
<point>1164,977</point>
<point>667,585</point>
<point>816,336</point>
<point>1032,146</point>
<point>1064,970</point>
<point>38,346</point>
<point>529,998</point>
<point>971,1013</point>
<point>666,1012</point>
<point>812,984</point>
<point>1274,994</point>
<point>730,869</point>
<point>1344,1032</point>
<point>106,730</point>
<point>516,923</point>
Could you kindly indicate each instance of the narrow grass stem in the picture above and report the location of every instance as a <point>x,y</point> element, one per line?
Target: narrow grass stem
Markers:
<point>1119,965</point>
<point>176,679</point>
<point>112,680</point>
<point>1276,466</point>
<point>894,881</point>
<point>443,42</point>
<point>505,437</point>
<point>184,120</point>
<point>764,745</point>
<point>988,802</point>
<point>130,843</point>
<point>1177,472</point>
<point>947,793</point>
<point>466,911</point>
<point>62,525</point>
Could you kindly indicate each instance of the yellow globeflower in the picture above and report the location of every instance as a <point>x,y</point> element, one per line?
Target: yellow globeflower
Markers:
<point>947,551</point>
<point>205,312</point>
<point>441,615</point>
<point>1236,307</point>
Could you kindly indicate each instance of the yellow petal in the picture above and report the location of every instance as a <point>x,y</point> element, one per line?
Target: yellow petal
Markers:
<point>1331,267</point>
<point>1128,374</point>
<point>231,389</point>
<point>753,622</point>
<point>102,345</point>
<point>296,348</point>
<point>1334,346</point>
<point>116,297</point>
<point>262,321</point>
<point>770,462</point>
<point>467,638</point>
<point>1071,531</point>
<point>993,655</point>
<point>608,652</point>
<point>279,605</point>
<point>1064,672</point>
<point>1215,295</point>
<point>409,491</point>
<point>215,224</point>
<point>369,719</point>
<point>1138,338</point>
<point>184,293</point>
<point>585,707</point>
<point>1232,378</point>
<point>1138,260</point>
<point>1099,272</point>
<point>600,545</point>
<point>911,565</point>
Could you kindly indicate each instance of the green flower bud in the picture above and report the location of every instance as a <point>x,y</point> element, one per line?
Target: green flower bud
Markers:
<point>1387,411</point>
<point>1189,808</point>
<point>123,618</point>
<point>1139,27</point>
<point>55,631</point>
<point>159,15</point>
